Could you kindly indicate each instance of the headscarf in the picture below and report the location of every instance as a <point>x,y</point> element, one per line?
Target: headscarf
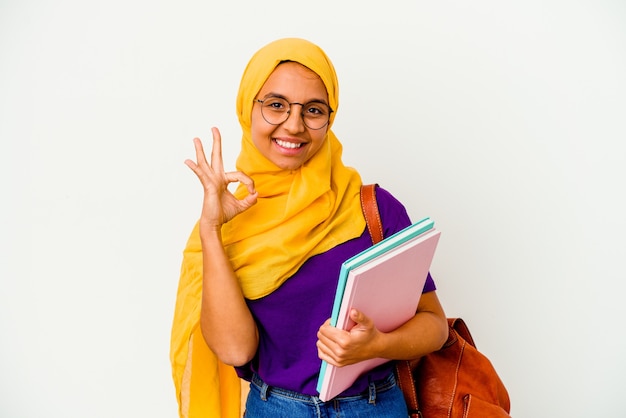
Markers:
<point>298,214</point>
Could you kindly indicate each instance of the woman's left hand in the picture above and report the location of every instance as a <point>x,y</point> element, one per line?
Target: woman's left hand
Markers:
<point>341,348</point>
<point>426,332</point>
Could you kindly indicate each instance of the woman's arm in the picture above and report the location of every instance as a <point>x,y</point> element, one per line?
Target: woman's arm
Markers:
<point>426,332</point>
<point>225,320</point>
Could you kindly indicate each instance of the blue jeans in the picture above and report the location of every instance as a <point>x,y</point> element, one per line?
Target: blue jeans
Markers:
<point>384,399</point>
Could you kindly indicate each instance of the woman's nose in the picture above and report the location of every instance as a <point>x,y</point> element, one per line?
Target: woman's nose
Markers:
<point>295,120</point>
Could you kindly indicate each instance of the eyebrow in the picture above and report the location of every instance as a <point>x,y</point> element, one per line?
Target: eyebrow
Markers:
<point>280,96</point>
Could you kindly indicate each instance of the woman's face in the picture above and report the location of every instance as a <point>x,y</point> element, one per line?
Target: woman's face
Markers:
<point>292,143</point>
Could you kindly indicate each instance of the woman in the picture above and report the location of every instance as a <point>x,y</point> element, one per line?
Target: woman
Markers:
<point>261,266</point>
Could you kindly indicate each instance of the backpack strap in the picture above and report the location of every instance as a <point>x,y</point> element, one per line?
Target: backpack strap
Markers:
<point>371,213</point>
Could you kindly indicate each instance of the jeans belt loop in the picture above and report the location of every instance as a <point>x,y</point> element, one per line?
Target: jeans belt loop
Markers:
<point>372,393</point>
<point>264,389</point>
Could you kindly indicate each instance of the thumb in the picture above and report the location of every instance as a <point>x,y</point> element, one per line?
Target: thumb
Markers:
<point>249,200</point>
<point>360,318</point>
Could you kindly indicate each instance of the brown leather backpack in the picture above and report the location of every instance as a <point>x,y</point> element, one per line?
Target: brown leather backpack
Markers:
<point>456,381</point>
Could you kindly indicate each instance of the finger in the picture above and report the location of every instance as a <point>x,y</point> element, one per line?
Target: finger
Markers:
<point>325,329</point>
<point>216,151</point>
<point>333,354</point>
<point>248,201</point>
<point>362,320</point>
<point>200,174</point>
<point>191,164</point>
<point>324,354</point>
<point>332,337</point>
<point>238,176</point>
<point>326,350</point>
<point>200,156</point>
<point>322,340</point>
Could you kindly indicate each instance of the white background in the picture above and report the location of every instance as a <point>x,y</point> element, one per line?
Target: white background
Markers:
<point>503,121</point>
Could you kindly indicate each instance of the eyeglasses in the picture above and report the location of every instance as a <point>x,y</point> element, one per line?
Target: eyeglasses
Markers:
<point>276,110</point>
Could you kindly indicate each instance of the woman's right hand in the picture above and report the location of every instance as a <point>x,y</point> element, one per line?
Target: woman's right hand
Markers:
<point>225,320</point>
<point>219,204</point>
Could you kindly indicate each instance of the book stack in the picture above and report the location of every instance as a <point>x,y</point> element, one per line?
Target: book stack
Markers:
<point>385,282</point>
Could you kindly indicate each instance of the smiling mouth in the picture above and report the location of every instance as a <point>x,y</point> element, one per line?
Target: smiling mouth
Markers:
<point>289,145</point>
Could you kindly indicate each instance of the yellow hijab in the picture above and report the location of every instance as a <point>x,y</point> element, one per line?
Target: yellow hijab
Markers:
<point>298,214</point>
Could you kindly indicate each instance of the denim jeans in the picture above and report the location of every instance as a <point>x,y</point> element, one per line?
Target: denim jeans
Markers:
<point>384,399</point>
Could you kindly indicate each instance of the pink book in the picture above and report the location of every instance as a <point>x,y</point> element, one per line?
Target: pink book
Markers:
<point>387,289</point>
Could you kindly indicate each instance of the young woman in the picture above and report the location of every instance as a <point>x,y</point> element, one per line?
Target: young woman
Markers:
<point>261,266</point>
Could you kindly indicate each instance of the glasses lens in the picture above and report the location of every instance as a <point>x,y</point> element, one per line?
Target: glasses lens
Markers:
<point>275,110</point>
<point>315,114</point>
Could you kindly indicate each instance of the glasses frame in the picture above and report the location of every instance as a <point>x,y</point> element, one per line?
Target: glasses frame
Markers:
<point>288,113</point>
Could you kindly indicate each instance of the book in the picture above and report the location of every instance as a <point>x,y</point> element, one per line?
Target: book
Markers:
<point>385,282</point>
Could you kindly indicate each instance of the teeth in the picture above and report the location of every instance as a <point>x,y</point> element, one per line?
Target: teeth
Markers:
<point>286,144</point>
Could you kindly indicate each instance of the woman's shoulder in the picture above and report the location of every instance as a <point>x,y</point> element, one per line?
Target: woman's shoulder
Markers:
<point>393,213</point>
<point>386,200</point>
<point>383,196</point>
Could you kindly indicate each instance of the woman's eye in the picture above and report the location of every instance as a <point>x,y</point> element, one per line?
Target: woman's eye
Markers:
<point>276,105</point>
<point>315,110</point>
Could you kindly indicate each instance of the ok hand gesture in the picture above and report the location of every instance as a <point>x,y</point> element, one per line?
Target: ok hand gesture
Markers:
<point>219,204</point>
